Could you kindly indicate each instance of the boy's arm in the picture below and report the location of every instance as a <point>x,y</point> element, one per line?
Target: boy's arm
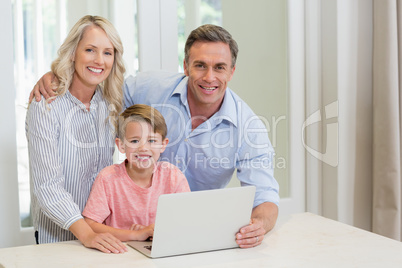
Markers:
<point>123,235</point>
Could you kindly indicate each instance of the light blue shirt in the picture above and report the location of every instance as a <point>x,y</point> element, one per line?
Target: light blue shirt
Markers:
<point>68,146</point>
<point>233,138</point>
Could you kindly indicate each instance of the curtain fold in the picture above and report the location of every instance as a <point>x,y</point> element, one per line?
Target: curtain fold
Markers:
<point>387,118</point>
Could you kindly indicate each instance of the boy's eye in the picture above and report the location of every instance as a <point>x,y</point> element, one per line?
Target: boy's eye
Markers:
<point>152,141</point>
<point>134,141</point>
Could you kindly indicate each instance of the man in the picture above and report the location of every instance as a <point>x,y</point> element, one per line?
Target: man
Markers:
<point>212,131</point>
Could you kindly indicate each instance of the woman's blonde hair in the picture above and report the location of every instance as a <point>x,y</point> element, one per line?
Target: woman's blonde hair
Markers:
<point>63,67</point>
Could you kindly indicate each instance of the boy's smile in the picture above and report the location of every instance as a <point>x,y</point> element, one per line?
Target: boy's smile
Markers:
<point>142,146</point>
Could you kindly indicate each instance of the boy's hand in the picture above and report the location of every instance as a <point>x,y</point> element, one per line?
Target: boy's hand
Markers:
<point>136,227</point>
<point>46,86</point>
<point>145,232</point>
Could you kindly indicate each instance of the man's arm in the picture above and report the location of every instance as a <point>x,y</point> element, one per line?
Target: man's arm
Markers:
<point>46,86</point>
<point>263,219</point>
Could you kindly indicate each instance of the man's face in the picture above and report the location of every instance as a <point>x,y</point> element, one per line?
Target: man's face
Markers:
<point>209,69</point>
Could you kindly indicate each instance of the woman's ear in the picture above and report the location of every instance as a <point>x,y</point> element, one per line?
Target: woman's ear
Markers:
<point>120,145</point>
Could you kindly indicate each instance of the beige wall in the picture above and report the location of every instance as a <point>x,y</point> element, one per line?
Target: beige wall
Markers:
<point>260,78</point>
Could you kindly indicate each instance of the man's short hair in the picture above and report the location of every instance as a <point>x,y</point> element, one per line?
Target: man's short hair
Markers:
<point>211,33</point>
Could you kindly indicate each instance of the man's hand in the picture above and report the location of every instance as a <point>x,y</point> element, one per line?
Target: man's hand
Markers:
<point>251,235</point>
<point>263,219</point>
<point>46,86</point>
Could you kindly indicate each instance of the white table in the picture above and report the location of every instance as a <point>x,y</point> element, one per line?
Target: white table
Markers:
<point>304,240</point>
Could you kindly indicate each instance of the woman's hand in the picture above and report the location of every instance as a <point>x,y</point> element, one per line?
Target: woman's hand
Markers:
<point>104,242</point>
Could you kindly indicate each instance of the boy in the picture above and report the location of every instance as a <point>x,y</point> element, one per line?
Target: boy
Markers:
<point>124,196</point>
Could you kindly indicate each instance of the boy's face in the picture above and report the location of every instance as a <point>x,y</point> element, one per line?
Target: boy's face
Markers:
<point>141,145</point>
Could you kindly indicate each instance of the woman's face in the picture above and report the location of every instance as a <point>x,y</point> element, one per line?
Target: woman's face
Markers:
<point>93,58</point>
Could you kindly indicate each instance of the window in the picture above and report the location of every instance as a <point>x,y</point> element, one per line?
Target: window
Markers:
<point>190,15</point>
<point>38,26</point>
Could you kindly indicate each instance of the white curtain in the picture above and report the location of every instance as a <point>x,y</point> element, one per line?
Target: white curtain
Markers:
<point>387,74</point>
<point>354,56</point>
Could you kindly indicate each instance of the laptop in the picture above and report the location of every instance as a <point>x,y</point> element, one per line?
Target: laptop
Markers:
<point>198,221</point>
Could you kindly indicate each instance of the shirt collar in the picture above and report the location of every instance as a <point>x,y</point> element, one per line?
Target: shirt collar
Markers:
<point>227,112</point>
<point>94,101</point>
<point>181,90</point>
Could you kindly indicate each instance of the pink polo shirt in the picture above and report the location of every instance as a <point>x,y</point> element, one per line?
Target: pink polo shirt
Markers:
<point>117,201</point>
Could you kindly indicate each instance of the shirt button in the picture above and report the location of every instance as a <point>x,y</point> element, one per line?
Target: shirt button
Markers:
<point>185,140</point>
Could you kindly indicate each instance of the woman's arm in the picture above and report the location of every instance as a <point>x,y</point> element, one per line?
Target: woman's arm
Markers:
<point>123,235</point>
<point>49,192</point>
<point>104,242</point>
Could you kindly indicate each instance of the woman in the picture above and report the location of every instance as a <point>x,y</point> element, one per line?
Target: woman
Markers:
<point>71,139</point>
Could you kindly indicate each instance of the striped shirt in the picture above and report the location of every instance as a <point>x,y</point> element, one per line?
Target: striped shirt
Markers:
<point>68,146</point>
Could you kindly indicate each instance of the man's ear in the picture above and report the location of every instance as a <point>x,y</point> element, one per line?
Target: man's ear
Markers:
<point>120,145</point>
<point>185,68</point>
<point>164,144</point>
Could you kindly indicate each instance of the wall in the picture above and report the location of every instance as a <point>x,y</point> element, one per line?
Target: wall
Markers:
<point>260,78</point>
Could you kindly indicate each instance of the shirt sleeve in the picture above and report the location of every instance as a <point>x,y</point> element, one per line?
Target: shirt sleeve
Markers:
<point>128,91</point>
<point>46,168</point>
<point>255,165</point>
<point>97,207</point>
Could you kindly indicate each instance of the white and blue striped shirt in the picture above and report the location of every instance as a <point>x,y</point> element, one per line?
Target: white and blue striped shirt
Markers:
<point>68,146</point>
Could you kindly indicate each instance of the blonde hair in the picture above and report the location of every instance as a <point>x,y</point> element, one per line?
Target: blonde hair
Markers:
<point>63,67</point>
<point>142,113</point>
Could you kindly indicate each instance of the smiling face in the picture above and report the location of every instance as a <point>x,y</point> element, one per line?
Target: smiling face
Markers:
<point>142,146</point>
<point>94,57</point>
<point>209,69</point>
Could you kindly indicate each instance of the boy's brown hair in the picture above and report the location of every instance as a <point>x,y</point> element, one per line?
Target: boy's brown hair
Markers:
<point>142,113</point>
